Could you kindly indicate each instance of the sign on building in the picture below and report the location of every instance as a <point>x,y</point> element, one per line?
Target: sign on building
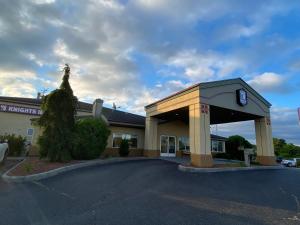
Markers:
<point>20,110</point>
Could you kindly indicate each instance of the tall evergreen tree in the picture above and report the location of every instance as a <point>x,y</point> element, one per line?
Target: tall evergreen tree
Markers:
<point>58,121</point>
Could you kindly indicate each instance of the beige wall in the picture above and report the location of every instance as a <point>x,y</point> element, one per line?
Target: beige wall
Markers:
<point>174,128</point>
<point>127,130</point>
<point>16,123</point>
<point>13,123</point>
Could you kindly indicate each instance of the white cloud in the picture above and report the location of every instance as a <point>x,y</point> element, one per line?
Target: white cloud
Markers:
<point>284,125</point>
<point>269,82</point>
<point>62,51</point>
<point>17,83</point>
<point>204,66</point>
<point>100,38</point>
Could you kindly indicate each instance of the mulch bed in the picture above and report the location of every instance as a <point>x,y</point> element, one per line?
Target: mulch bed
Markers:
<point>34,165</point>
<point>228,165</point>
<point>223,165</point>
<point>7,164</point>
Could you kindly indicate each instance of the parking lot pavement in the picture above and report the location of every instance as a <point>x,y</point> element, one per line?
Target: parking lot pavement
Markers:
<point>154,192</point>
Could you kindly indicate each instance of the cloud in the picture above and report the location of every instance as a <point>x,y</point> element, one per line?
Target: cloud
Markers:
<point>270,82</point>
<point>12,83</point>
<point>204,66</point>
<point>100,38</point>
<point>285,125</point>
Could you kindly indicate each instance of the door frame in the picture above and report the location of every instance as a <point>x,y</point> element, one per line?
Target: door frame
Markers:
<point>168,154</point>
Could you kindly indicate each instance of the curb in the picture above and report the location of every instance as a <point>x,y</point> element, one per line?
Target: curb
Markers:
<point>54,172</point>
<point>217,170</point>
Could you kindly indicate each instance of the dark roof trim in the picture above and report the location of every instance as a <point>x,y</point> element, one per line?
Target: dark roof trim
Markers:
<point>82,106</point>
<point>217,137</point>
<point>172,95</point>
<point>118,124</point>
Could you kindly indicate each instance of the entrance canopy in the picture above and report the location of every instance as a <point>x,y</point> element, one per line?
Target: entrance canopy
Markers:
<point>212,103</point>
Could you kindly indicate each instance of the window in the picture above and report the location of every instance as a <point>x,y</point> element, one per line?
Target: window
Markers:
<point>30,131</point>
<point>217,146</point>
<point>132,140</point>
<point>220,146</point>
<point>214,145</point>
<point>184,144</point>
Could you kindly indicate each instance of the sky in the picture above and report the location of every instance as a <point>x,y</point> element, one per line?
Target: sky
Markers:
<point>135,52</point>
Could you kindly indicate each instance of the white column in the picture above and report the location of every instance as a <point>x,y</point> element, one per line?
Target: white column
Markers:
<point>264,141</point>
<point>150,148</point>
<point>199,132</point>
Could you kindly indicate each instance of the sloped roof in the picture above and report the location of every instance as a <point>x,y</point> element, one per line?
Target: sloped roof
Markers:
<point>204,85</point>
<point>217,137</point>
<point>116,117</point>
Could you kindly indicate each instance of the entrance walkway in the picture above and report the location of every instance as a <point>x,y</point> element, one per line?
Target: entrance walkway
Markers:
<point>186,160</point>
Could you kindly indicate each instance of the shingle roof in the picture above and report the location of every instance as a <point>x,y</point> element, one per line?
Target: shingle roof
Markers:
<point>116,117</point>
<point>217,137</point>
<point>125,118</point>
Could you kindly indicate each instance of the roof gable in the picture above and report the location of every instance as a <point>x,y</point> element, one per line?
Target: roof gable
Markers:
<point>235,81</point>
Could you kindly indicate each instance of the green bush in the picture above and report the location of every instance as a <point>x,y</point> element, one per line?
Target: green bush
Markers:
<point>221,155</point>
<point>298,163</point>
<point>233,144</point>
<point>90,138</point>
<point>16,144</point>
<point>124,148</point>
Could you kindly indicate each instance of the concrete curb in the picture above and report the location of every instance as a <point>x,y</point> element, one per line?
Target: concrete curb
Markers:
<point>190,169</point>
<point>54,172</point>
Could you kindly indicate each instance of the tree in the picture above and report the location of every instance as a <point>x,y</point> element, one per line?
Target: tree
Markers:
<point>233,144</point>
<point>278,145</point>
<point>57,121</point>
<point>284,149</point>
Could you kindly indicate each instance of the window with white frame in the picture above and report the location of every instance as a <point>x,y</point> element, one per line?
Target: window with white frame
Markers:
<point>183,143</point>
<point>217,146</point>
<point>132,140</point>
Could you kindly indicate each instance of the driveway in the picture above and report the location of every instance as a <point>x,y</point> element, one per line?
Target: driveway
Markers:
<point>153,192</point>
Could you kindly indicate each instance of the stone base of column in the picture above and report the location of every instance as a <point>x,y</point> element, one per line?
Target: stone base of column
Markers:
<point>205,161</point>
<point>151,153</point>
<point>266,160</point>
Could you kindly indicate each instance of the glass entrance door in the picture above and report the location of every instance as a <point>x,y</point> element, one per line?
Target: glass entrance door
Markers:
<point>167,146</point>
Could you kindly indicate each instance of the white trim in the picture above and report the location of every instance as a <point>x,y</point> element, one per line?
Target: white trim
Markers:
<point>120,133</point>
<point>168,154</point>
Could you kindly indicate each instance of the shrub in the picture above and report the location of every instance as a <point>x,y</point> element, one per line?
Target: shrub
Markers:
<point>298,163</point>
<point>90,138</point>
<point>16,144</point>
<point>221,155</point>
<point>124,148</point>
<point>232,146</point>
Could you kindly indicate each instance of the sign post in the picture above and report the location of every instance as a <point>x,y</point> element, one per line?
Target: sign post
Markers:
<point>247,153</point>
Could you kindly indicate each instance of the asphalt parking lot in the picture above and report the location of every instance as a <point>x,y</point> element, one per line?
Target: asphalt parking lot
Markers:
<point>153,192</point>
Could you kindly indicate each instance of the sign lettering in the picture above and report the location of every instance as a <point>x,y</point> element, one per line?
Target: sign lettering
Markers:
<point>20,110</point>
